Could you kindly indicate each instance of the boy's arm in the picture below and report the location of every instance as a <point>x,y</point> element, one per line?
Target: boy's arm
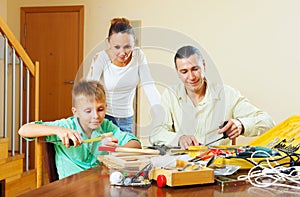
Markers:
<point>40,130</point>
<point>132,144</point>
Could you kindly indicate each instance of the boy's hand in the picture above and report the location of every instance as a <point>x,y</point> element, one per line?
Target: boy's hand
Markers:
<point>68,134</point>
<point>108,141</point>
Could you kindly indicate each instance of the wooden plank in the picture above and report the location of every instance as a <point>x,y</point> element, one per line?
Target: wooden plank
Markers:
<point>12,158</point>
<point>26,182</point>
<point>12,167</point>
<point>3,148</point>
<point>112,161</point>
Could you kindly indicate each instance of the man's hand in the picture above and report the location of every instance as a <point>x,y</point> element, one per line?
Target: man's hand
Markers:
<point>66,134</point>
<point>187,140</point>
<point>233,128</point>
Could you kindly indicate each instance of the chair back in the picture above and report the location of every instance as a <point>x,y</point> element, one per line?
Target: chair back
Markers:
<point>49,156</point>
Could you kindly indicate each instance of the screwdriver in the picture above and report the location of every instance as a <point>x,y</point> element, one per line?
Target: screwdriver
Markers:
<point>223,137</point>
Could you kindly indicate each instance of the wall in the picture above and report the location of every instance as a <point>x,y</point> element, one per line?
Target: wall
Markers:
<point>253,44</point>
<point>3,8</point>
<point>3,15</point>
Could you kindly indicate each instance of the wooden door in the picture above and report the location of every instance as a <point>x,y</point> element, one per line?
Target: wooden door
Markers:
<point>54,37</point>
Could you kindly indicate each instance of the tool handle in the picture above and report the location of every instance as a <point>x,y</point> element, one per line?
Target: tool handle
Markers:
<point>223,125</point>
<point>224,134</point>
<point>104,135</point>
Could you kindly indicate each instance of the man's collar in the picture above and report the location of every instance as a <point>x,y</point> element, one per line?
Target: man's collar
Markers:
<point>211,92</point>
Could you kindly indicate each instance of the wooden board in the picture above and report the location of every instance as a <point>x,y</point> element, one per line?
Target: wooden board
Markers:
<point>125,160</point>
<point>3,148</point>
<point>181,178</point>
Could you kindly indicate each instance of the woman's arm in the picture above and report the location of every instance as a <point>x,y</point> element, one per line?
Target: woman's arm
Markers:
<point>99,62</point>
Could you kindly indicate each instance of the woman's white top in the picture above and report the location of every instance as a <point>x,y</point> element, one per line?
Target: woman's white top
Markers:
<point>120,82</point>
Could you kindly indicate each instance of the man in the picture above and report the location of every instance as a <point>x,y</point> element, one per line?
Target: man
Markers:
<point>196,108</point>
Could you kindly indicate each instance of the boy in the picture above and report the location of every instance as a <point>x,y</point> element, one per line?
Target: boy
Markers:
<point>89,107</point>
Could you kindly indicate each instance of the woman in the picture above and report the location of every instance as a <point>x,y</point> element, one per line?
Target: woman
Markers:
<point>121,68</point>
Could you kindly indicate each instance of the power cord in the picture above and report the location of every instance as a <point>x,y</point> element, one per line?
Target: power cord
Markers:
<point>294,158</point>
<point>265,175</point>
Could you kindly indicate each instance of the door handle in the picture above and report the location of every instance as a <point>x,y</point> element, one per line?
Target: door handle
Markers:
<point>69,82</point>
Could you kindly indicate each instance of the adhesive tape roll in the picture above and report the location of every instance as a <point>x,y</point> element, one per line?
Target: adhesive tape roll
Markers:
<point>116,178</point>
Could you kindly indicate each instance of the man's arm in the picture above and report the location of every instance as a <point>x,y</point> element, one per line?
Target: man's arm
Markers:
<point>254,121</point>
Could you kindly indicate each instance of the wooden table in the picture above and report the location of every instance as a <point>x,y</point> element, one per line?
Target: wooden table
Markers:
<point>95,182</point>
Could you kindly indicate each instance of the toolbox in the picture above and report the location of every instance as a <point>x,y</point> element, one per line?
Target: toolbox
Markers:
<point>283,138</point>
<point>180,176</point>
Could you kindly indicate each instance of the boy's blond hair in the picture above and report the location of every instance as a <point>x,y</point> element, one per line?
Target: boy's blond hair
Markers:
<point>88,89</point>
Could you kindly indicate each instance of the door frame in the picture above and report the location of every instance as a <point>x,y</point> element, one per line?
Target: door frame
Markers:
<point>49,9</point>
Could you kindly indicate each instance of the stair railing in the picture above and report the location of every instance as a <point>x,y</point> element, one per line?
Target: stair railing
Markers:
<point>15,104</point>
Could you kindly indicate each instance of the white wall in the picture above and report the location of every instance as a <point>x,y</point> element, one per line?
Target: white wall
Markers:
<point>253,43</point>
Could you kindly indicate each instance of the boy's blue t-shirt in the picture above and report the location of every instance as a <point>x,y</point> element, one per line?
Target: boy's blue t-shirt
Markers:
<point>73,160</point>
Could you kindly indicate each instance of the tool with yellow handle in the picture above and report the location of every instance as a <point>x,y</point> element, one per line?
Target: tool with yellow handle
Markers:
<point>104,135</point>
<point>101,137</point>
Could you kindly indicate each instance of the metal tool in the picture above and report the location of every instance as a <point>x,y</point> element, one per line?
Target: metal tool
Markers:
<point>145,169</point>
<point>223,137</point>
<point>163,149</point>
<point>102,136</point>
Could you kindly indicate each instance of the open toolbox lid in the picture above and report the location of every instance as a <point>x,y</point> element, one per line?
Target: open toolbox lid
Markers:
<point>284,136</point>
<point>287,133</point>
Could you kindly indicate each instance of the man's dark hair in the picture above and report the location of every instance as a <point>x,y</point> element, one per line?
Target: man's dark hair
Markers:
<point>186,52</point>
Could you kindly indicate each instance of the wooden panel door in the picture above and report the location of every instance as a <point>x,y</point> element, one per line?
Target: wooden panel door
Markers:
<point>54,37</point>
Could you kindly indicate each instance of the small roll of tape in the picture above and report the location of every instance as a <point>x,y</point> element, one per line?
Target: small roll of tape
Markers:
<point>127,181</point>
<point>116,178</point>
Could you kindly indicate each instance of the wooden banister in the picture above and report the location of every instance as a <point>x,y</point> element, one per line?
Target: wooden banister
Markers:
<point>5,30</point>
<point>39,148</point>
<point>33,68</point>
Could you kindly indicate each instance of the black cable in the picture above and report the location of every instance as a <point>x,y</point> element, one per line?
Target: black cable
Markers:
<point>272,160</point>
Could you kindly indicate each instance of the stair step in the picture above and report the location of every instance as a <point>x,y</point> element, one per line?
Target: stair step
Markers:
<point>21,183</point>
<point>11,166</point>
<point>3,148</point>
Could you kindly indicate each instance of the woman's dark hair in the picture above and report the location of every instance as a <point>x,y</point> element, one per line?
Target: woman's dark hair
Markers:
<point>118,25</point>
<point>186,52</point>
